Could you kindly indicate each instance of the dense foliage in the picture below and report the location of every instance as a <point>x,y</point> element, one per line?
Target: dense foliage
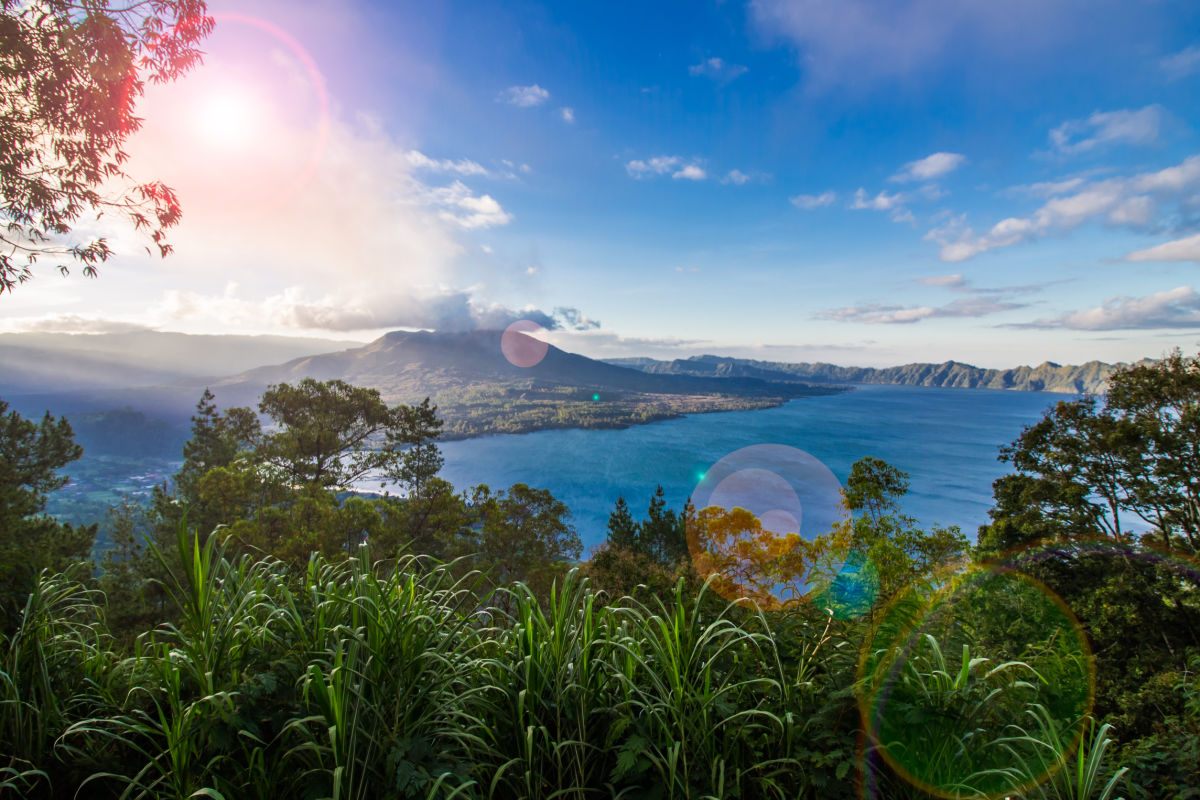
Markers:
<point>344,681</point>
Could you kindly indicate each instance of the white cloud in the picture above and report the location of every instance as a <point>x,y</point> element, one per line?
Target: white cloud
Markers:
<point>574,319</point>
<point>810,201</point>
<point>295,307</point>
<point>1182,64</point>
<point>878,314</point>
<point>462,207</point>
<point>659,165</point>
<point>524,96</point>
<point>943,280</point>
<point>718,69</point>
<point>931,166</point>
<point>897,315</point>
<point>880,202</point>
<point>1179,250</point>
<point>1048,188</point>
<point>1130,202</point>
<point>690,172</point>
<point>567,114</point>
<point>663,165</point>
<point>1174,308</point>
<point>463,166</point>
<point>1140,127</point>
<point>739,178</point>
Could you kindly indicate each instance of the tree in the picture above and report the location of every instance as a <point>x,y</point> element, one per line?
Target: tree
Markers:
<point>311,522</point>
<point>70,76</point>
<point>217,440</point>
<point>429,521</point>
<point>622,530</point>
<point>1100,468</point>
<point>875,487</point>
<point>331,434</point>
<point>662,535</point>
<point>420,461</point>
<point>31,455</point>
<point>278,491</point>
<point>523,534</point>
<point>898,551</point>
<point>133,598</point>
<point>652,553</point>
<point>746,560</point>
<point>1102,497</point>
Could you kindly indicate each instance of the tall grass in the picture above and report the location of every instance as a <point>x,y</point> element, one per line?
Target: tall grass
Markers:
<point>52,670</point>
<point>1075,767</point>
<point>346,681</point>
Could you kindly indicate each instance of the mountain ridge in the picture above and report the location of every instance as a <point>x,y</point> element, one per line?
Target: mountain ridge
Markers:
<point>1089,377</point>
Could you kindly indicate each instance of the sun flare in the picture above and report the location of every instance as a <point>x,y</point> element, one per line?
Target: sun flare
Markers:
<point>228,117</point>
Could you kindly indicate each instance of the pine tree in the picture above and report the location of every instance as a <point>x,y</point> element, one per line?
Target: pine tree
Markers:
<point>622,530</point>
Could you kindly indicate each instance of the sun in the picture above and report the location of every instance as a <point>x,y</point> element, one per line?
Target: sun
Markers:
<point>228,117</point>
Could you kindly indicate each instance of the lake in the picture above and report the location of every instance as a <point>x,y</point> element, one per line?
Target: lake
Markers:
<point>946,439</point>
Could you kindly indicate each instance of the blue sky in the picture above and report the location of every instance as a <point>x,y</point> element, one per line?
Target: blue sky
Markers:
<point>843,180</point>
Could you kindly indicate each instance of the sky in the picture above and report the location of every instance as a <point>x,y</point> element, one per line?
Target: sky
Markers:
<point>867,182</point>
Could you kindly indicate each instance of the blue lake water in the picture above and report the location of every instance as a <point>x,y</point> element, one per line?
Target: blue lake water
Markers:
<point>946,439</point>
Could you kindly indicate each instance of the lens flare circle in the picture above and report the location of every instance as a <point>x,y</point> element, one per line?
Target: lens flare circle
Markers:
<point>764,493</point>
<point>951,678</point>
<point>764,527</point>
<point>521,344</point>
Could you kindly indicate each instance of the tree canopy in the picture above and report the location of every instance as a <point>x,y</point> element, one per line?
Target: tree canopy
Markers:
<point>70,77</point>
<point>31,455</point>
<point>1109,468</point>
<point>330,434</point>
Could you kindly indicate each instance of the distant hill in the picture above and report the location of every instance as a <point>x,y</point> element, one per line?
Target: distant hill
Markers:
<point>39,363</point>
<point>478,391</point>
<point>410,365</point>
<point>1047,377</point>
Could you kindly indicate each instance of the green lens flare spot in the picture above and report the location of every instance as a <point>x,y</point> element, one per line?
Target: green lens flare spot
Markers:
<point>989,649</point>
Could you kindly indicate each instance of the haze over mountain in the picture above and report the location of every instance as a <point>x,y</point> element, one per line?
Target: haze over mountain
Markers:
<point>1046,377</point>
<point>55,362</point>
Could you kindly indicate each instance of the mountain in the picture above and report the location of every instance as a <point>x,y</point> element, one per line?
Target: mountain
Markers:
<point>1047,377</point>
<point>478,391</point>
